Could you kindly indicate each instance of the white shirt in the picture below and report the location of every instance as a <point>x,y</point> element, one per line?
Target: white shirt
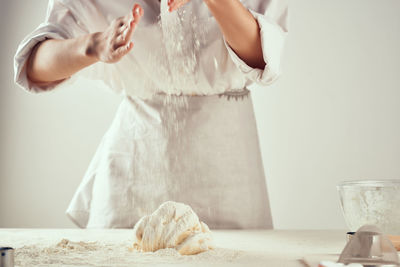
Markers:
<point>212,161</point>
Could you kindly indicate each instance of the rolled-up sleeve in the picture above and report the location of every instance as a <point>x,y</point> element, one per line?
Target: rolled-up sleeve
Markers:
<point>272,19</point>
<point>60,23</point>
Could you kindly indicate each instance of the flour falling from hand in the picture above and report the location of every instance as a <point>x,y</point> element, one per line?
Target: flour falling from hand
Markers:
<point>178,65</point>
<point>174,64</point>
<point>172,225</point>
<point>182,45</point>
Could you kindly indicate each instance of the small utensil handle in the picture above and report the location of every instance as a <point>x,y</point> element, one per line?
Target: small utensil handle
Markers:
<point>6,257</point>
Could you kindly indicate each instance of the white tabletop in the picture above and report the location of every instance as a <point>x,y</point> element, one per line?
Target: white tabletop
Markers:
<point>38,247</point>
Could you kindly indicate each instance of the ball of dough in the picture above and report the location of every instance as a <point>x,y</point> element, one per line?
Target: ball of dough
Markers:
<point>172,225</point>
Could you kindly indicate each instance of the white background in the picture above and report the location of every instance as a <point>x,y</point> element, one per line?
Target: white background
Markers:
<point>334,115</point>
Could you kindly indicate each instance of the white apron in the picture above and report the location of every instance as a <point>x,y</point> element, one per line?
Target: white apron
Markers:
<point>213,164</point>
<point>204,153</point>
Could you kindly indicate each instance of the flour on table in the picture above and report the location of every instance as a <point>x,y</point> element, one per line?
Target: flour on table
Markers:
<point>172,225</point>
<point>116,254</point>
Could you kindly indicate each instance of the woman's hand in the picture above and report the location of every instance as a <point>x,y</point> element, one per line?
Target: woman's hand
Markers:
<point>175,4</point>
<point>54,60</point>
<point>115,42</point>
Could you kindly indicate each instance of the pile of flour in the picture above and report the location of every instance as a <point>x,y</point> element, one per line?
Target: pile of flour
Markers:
<point>173,234</point>
<point>69,253</point>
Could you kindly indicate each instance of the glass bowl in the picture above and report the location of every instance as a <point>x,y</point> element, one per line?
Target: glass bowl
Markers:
<point>375,202</point>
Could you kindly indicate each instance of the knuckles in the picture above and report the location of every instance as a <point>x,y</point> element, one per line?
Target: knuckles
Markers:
<point>118,22</point>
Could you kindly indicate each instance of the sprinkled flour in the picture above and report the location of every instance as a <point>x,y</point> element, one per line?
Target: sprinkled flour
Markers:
<point>69,253</point>
<point>182,45</point>
<point>176,64</point>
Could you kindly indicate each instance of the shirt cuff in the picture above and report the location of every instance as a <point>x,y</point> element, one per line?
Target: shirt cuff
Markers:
<point>23,53</point>
<point>272,42</point>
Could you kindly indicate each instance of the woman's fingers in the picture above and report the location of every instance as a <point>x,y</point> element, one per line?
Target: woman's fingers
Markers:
<point>173,5</point>
<point>137,13</point>
<point>120,40</point>
<point>176,4</point>
<point>122,28</point>
<point>125,33</point>
<point>126,36</point>
<point>119,34</point>
<point>122,50</point>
